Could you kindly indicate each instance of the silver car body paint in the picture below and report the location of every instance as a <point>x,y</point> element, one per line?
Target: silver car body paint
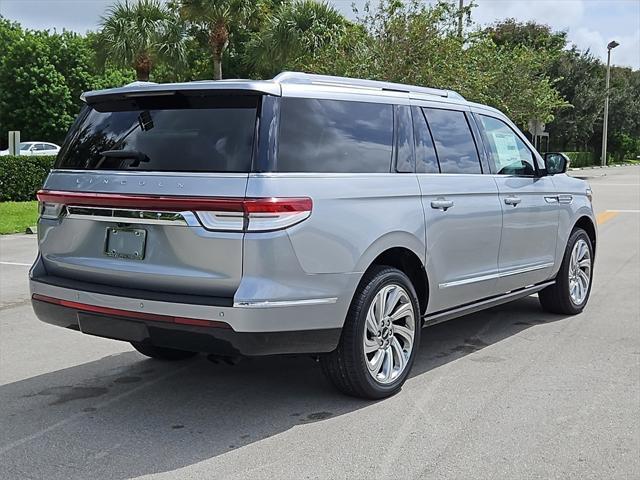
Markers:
<point>304,277</point>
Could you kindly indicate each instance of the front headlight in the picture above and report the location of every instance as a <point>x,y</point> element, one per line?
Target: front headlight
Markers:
<point>590,194</point>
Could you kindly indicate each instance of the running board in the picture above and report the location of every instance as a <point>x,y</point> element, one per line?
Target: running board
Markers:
<point>483,304</point>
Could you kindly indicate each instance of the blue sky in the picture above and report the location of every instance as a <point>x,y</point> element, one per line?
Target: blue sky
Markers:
<point>590,24</point>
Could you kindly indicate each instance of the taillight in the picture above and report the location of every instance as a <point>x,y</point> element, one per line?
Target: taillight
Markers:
<point>258,214</point>
<point>50,210</point>
<point>214,213</point>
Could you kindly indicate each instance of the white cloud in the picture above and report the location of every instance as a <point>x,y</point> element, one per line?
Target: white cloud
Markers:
<point>560,14</point>
<point>627,54</point>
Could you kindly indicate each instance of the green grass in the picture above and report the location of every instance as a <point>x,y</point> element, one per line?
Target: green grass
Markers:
<point>17,216</point>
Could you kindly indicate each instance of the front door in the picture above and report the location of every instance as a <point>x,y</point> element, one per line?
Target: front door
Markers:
<point>529,204</point>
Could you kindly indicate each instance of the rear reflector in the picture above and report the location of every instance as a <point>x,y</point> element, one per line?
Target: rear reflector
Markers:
<point>116,312</point>
<point>215,213</point>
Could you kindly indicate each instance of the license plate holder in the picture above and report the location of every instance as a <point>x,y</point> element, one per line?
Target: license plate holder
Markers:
<point>127,243</point>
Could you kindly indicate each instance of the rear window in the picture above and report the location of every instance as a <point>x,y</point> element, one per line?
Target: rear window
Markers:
<point>334,136</point>
<point>163,133</point>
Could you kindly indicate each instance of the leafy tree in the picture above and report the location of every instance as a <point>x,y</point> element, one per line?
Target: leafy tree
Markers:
<point>217,19</point>
<point>139,34</point>
<point>34,96</point>
<point>294,34</point>
<point>580,80</point>
<point>511,33</point>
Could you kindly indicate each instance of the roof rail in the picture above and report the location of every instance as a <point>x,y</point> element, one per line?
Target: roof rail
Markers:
<point>314,79</point>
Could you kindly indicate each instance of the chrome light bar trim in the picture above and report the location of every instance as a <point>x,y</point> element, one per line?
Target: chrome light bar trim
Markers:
<point>119,215</point>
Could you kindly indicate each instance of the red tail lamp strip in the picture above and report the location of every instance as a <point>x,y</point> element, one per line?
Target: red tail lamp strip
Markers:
<point>178,203</point>
<point>83,307</point>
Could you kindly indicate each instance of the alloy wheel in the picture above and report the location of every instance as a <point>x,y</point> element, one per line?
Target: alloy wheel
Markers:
<point>389,333</point>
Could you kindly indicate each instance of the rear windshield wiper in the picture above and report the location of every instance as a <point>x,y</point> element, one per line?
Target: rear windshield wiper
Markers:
<point>133,154</point>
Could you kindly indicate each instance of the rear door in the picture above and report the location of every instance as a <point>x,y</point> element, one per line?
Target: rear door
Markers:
<point>138,196</point>
<point>461,206</point>
<point>529,203</point>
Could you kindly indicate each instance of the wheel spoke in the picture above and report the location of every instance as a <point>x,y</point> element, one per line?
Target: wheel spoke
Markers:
<point>382,304</point>
<point>403,311</point>
<point>582,290</point>
<point>399,353</point>
<point>584,250</point>
<point>584,277</point>
<point>584,263</point>
<point>376,362</point>
<point>387,366</point>
<point>370,345</point>
<point>405,333</point>
<point>372,324</point>
<point>392,301</point>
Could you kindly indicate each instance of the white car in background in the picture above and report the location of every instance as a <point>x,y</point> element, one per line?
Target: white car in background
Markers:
<point>36,148</point>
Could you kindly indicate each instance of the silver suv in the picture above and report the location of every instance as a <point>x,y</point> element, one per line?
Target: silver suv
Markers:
<point>302,215</point>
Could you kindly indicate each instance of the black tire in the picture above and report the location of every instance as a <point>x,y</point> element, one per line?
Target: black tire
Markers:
<point>161,353</point>
<point>556,298</point>
<point>345,367</point>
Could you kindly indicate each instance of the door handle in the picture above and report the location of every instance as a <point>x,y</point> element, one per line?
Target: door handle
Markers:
<point>512,200</point>
<point>441,204</point>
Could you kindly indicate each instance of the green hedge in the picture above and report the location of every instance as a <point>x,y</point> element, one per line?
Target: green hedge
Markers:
<point>22,176</point>
<point>583,159</point>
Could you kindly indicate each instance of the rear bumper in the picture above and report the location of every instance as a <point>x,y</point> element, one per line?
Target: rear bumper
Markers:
<point>259,329</point>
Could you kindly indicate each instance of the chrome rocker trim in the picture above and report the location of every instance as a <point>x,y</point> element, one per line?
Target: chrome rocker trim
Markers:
<point>493,276</point>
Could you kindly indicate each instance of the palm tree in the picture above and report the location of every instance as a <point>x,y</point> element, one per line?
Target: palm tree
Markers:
<point>141,33</point>
<point>217,18</point>
<point>295,32</point>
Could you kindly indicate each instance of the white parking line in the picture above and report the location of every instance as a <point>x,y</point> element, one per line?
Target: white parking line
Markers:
<point>16,263</point>
<point>624,211</point>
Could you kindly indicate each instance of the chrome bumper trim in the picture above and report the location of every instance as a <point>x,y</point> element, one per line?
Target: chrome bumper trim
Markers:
<point>284,303</point>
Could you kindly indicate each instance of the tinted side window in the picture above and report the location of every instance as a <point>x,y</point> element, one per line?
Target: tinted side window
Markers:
<point>334,136</point>
<point>509,154</point>
<point>455,146</point>
<point>426,160</point>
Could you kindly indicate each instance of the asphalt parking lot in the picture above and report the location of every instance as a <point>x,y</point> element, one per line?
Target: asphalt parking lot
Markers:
<point>510,393</point>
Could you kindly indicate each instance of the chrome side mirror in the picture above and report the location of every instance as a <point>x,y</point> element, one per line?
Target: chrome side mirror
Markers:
<point>556,162</point>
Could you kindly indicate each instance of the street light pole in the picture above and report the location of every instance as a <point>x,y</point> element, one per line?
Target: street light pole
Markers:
<point>460,15</point>
<point>603,159</point>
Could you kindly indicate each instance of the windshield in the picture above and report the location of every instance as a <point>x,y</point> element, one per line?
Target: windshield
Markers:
<point>24,146</point>
<point>164,133</point>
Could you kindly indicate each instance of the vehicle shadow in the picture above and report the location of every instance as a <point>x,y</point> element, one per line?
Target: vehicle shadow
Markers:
<point>124,416</point>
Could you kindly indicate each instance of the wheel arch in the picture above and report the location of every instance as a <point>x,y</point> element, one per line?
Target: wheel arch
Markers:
<point>408,262</point>
<point>587,224</point>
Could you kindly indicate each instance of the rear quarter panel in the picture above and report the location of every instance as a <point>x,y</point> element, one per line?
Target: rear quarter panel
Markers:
<point>355,217</point>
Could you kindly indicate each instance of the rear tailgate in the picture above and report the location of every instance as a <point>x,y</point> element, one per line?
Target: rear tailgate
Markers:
<point>176,255</point>
<point>120,208</point>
